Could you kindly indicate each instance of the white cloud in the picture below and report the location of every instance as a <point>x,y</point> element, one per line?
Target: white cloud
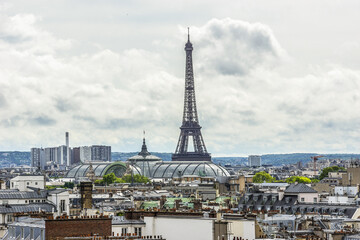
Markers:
<point>107,97</point>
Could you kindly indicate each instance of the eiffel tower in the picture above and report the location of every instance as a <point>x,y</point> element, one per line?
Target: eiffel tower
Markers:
<point>190,129</point>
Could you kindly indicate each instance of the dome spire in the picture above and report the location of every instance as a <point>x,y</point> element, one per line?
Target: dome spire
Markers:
<point>144,152</point>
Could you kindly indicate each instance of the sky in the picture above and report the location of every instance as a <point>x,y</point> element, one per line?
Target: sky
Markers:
<point>273,76</point>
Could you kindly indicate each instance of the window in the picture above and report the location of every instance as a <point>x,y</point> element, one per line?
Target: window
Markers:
<point>9,218</point>
<point>123,231</point>
<point>138,231</point>
<point>31,201</point>
<point>35,183</point>
<point>62,206</point>
<point>315,199</point>
<point>302,199</point>
<point>27,183</point>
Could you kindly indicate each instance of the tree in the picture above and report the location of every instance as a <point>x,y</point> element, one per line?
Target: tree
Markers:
<point>109,178</point>
<point>69,185</point>
<point>262,176</point>
<point>325,171</point>
<point>298,179</point>
<point>315,180</point>
<point>99,181</point>
<point>137,179</point>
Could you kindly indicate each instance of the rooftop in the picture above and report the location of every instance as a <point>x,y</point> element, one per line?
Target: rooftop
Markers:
<point>16,194</point>
<point>299,188</point>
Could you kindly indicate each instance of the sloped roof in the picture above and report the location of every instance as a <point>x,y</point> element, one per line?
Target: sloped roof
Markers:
<point>15,194</point>
<point>27,208</point>
<point>299,188</point>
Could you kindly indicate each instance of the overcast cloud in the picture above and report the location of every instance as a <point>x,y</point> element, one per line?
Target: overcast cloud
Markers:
<point>255,94</point>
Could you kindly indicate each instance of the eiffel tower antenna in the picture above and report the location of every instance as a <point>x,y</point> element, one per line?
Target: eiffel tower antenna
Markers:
<point>190,127</point>
<point>188,34</point>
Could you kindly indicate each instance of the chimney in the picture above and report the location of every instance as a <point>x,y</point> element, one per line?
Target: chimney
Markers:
<point>197,205</point>
<point>177,203</point>
<point>86,195</point>
<point>162,201</point>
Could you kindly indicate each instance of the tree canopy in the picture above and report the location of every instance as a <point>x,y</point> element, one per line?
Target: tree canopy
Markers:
<point>111,178</point>
<point>325,171</point>
<point>298,179</point>
<point>69,185</point>
<point>262,176</point>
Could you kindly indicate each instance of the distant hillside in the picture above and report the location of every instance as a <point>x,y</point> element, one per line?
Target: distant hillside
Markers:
<point>282,159</point>
<point>14,157</point>
<point>23,158</point>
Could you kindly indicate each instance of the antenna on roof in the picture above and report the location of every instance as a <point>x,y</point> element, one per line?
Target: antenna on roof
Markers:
<point>188,34</point>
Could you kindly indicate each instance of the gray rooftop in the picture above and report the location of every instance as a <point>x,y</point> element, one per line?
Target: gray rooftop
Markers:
<point>299,188</point>
<point>46,207</point>
<point>15,194</point>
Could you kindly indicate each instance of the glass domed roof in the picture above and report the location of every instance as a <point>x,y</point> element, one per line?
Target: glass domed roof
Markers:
<point>181,168</point>
<point>100,169</point>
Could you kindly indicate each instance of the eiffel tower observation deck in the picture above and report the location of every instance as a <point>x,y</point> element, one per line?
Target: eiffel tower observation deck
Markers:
<point>190,130</point>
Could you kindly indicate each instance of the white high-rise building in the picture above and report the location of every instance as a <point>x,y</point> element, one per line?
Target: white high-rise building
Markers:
<point>101,153</point>
<point>85,154</point>
<point>254,161</point>
<point>38,158</point>
<point>96,153</point>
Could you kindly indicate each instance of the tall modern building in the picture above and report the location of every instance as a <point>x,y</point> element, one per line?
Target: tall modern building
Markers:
<point>96,153</point>
<point>254,161</point>
<point>76,155</point>
<point>101,153</point>
<point>85,154</point>
<point>57,158</point>
<point>62,155</point>
<point>38,158</point>
<point>190,130</point>
<point>51,155</point>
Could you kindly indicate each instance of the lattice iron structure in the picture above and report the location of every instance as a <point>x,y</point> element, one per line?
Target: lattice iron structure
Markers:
<point>190,127</point>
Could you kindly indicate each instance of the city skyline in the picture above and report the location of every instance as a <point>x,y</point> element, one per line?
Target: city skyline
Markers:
<point>104,71</point>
